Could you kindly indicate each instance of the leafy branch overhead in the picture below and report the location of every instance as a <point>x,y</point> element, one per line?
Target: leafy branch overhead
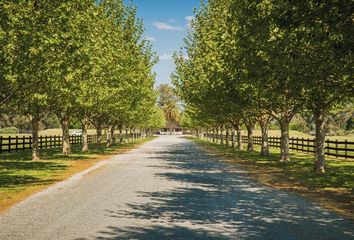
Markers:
<point>77,59</point>
<point>253,62</point>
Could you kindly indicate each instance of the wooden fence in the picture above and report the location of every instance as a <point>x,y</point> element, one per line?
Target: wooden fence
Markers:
<point>338,149</point>
<point>21,143</point>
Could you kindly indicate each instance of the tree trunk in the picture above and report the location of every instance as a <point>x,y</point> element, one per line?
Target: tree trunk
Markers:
<point>85,122</point>
<point>221,136</point>
<point>233,138</point>
<point>320,121</point>
<point>264,123</point>
<point>250,147</point>
<point>66,135</point>
<point>217,135</point>
<point>214,132</point>
<point>99,136</point>
<point>109,142</point>
<point>35,134</point>
<point>126,135</point>
<point>284,140</point>
<point>120,135</point>
<point>239,137</point>
<point>265,143</point>
<point>112,134</point>
<point>227,137</point>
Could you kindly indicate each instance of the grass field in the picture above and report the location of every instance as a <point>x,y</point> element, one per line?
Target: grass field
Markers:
<point>20,176</point>
<point>334,189</point>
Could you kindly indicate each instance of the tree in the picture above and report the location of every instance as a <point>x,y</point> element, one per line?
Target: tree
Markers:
<point>28,62</point>
<point>323,43</point>
<point>168,103</point>
<point>69,60</point>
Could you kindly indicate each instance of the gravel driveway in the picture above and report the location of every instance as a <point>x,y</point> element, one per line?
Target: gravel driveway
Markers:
<point>168,189</point>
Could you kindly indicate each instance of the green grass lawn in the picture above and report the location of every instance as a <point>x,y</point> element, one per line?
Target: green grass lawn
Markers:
<point>21,177</point>
<point>340,172</point>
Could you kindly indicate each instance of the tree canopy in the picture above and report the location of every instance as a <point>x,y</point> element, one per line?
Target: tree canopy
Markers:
<point>253,61</point>
<point>77,59</point>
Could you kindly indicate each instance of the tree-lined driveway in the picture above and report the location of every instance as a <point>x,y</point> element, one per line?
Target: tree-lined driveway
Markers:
<point>169,188</point>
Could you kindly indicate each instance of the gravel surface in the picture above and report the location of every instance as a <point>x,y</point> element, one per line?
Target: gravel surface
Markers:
<point>168,189</point>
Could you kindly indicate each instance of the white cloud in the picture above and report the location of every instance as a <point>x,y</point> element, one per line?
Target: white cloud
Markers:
<point>189,18</point>
<point>172,20</point>
<point>167,27</point>
<point>152,39</point>
<point>166,57</point>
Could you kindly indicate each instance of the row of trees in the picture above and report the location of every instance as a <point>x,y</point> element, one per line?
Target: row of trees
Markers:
<point>253,61</point>
<point>78,58</point>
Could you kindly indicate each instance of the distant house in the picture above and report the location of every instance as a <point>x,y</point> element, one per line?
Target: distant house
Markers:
<point>171,129</point>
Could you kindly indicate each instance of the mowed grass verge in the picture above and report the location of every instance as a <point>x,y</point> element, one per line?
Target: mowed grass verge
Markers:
<point>333,190</point>
<point>21,177</point>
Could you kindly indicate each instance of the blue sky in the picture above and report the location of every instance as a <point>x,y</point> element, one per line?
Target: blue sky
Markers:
<point>166,23</point>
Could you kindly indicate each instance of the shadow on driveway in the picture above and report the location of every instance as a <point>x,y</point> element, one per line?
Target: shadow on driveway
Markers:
<point>219,201</point>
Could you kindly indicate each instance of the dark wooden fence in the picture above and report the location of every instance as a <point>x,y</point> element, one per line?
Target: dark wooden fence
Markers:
<point>338,149</point>
<point>21,143</point>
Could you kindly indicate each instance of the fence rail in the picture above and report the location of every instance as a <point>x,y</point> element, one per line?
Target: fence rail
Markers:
<point>338,149</point>
<point>22,143</point>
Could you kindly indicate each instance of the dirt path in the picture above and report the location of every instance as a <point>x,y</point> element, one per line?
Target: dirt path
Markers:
<point>168,189</point>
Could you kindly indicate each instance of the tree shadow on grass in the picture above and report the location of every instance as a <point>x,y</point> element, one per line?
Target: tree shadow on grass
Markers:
<point>45,154</point>
<point>56,154</point>
<point>339,172</point>
<point>29,165</point>
<point>76,153</point>
<point>219,201</point>
<point>15,167</point>
<point>20,173</point>
<point>11,181</point>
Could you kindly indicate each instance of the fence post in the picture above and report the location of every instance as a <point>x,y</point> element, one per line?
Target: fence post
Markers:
<point>0,144</point>
<point>327,147</point>
<point>23,143</point>
<point>346,148</point>
<point>337,147</point>
<point>290,143</point>
<point>16,143</point>
<point>30,142</point>
<point>308,145</point>
<point>9,146</point>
